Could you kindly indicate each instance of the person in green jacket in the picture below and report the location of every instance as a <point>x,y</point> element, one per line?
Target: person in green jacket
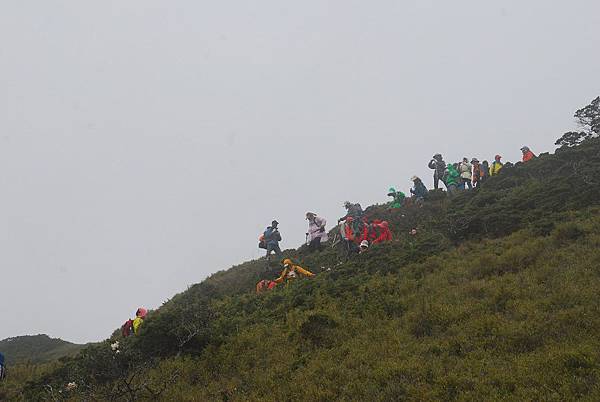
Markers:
<point>452,178</point>
<point>398,196</point>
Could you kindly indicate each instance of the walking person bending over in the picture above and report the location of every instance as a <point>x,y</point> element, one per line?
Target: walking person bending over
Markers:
<point>316,231</point>
<point>272,237</point>
<point>419,191</point>
<point>398,197</point>
<point>439,167</point>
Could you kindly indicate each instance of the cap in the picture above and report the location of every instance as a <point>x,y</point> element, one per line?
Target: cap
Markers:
<point>364,243</point>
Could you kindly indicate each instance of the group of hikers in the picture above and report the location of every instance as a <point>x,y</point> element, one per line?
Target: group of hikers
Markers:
<point>465,174</point>
<point>358,234</point>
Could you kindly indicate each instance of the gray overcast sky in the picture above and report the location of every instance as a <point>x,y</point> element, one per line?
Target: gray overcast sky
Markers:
<point>146,144</point>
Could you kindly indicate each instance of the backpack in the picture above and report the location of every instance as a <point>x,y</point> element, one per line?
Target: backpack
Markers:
<point>127,328</point>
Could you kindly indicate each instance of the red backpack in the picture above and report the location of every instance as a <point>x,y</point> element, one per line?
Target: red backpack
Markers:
<point>127,328</point>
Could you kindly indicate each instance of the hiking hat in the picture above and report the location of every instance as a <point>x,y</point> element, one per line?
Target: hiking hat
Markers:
<point>141,312</point>
<point>287,261</point>
<point>497,157</point>
<point>274,223</point>
<point>364,243</point>
<point>436,156</point>
<point>309,214</point>
<point>474,160</point>
<point>414,178</point>
<point>525,148</point>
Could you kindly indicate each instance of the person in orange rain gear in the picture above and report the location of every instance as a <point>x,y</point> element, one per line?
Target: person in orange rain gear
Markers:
<point>291,271</point>
<point>380,232</point>
<point>265,285</point>
<point>527,154</point>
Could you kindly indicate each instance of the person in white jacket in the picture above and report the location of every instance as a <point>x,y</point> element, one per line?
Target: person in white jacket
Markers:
<point>316,231</point>
<point>465,170</point>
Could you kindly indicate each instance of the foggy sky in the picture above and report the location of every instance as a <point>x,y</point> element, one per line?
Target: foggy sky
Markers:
<point>146,144</point>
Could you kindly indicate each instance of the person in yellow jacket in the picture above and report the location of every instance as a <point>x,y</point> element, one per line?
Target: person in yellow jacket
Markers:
<point>140,316</point>
<point>496,166</point>
<point>291,271</point>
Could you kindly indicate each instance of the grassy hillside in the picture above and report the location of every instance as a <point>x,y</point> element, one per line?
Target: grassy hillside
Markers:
<point>36,349</point>
<point>494,298</point>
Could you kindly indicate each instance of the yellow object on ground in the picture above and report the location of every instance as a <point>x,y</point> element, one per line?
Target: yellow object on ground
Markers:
<point>291,271</point>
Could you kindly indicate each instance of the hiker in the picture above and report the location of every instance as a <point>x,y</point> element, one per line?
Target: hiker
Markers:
<point>465,169</point>
<point>477,173</point>
<point>140,316</point>
<point>439,167</point>
<point>291,271</point>
<point>496,165</point>
<point>2,367</point>
<point>379,232</point>
<point>398,198</point>
<point>265,285</point>
<point>485,170</point>
<point>271,238</point>
<point>452,178</point>
<point>527,154</point>
<point>364,247</point>
<point>355,212</point>
<point>316,231</point>
<point>419,191</point>
<point>347,234</point>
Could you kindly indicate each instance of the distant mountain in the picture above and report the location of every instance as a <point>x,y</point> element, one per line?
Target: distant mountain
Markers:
<point>36,349</point>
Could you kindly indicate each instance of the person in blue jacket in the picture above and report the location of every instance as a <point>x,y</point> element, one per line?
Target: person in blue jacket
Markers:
<point>272,237</point>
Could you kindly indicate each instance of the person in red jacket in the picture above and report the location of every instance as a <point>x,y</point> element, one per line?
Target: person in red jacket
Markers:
<point>265,285</point>
<point>380,232</point>
<point>527,154</point>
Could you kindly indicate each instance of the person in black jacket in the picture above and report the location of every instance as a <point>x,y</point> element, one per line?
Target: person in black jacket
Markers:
<point>439,167</point>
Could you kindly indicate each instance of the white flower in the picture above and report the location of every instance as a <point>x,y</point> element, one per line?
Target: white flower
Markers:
<point>115,346</point>
<point>71,386</point>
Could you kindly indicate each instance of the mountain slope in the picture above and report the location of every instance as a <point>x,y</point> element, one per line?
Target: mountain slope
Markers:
<point>495,297</point>
<point>36,349</point>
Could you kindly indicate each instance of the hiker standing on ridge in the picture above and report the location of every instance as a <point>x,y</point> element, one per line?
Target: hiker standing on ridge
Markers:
<point>398,197</point>
<point>272,237</point>
<point>316,231</point>
<point>419,191</point>
<point>496,166</point>
<point>527,154</point>
<point>477,172</point>
<point>465,168</point>
<point>485,170</point>
<point>140,316</point>
<point>355,212</point>
<point>452,178</point>
<point>439,167</point>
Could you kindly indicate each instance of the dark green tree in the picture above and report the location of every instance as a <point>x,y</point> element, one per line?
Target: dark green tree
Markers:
<point>588,118</point>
